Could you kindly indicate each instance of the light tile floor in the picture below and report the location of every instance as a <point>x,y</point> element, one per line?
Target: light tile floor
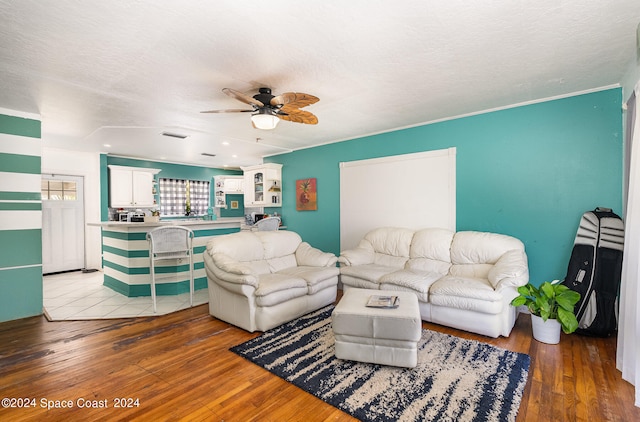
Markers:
<point>77,295</point>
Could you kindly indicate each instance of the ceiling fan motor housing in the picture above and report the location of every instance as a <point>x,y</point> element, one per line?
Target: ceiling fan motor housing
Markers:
<point>265,97</point>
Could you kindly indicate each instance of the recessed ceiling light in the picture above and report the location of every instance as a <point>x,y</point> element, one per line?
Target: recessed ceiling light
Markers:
<point>106,145</point>
<point>234,156</point>
<point>225,143</point>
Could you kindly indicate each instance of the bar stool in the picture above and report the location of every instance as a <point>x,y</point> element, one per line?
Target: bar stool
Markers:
<point>170,242</point>
<point>267,224</point>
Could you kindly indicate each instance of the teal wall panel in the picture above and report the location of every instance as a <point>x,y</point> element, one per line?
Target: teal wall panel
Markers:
<point>21,292</point>
<point>528,171</point>
<point>230,212</point>
<point>20,248</point>
<point>21,225</point>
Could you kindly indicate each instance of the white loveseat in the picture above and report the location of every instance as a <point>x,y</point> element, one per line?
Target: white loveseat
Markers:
<point>259,280</point>
<point>464,280</point>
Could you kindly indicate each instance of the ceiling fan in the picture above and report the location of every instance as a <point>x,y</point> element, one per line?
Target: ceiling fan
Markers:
<point>269,109</point>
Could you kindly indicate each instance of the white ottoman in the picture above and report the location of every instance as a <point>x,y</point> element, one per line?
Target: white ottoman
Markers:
<point>377,335</point>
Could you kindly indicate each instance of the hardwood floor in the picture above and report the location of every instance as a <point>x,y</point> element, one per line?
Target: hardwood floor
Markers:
<point>178,367</point>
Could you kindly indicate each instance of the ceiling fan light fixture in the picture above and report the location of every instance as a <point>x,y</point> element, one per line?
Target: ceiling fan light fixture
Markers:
<point>265,120</point>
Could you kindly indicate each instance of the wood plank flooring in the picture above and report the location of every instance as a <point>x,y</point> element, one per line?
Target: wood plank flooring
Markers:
<point>178,367</point>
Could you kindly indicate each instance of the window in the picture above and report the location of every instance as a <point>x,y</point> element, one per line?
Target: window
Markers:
<point>58,190</point>
<point>179,196</point>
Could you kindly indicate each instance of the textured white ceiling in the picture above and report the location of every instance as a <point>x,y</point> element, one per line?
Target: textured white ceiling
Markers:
<point>121,72</point>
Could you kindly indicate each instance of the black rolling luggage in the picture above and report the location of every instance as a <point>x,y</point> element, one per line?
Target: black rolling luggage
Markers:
<point>595,270</point>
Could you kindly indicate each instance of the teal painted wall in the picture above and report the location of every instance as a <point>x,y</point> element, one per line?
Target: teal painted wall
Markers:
<point>20,218</point>
<point>529,171</point>
<point>168,170</point>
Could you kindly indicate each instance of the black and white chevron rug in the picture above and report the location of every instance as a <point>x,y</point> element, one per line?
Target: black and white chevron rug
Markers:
<point>455,380</point>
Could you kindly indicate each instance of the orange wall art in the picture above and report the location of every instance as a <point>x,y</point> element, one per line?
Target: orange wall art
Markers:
<point>306,194</point>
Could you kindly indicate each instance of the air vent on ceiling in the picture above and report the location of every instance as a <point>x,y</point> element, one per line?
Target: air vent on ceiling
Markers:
<point>174,135</point>
<point>207,154</point>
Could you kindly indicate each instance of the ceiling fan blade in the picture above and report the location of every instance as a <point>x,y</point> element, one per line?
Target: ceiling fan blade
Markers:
<point>294,99</point>
<point>232,110</point>
<point>297,116</point>
<point>242,97</point>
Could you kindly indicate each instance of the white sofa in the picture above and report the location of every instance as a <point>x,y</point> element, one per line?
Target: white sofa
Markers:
<point>259,280</point>
<point>464,280</point>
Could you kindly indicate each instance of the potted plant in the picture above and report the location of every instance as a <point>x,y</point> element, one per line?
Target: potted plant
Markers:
<point>551,306</point>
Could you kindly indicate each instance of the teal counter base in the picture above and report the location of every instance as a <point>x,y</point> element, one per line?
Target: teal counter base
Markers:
<point>166,289</point>
<point>125,258</point>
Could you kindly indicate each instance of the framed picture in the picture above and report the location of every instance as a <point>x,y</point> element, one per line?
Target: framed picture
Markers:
<point>307,194</point>
<point>234,205</point>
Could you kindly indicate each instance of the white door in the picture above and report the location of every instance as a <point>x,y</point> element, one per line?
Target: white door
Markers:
<point>62,223</point>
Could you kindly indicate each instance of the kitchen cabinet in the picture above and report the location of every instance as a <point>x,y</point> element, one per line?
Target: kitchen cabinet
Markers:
<point>131,187</point>
<point>227,185</point>
<point>263,185</point>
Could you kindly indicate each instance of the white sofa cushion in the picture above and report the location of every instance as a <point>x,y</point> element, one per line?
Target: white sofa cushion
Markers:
<point>510,270</point>
<point>242,246</point>
<point>391,241</point>
<point>278,243</point>
<point>469,247</point>
<point>277,288</point>
<point>306,255</point>
<point>434,244</point>
<point>418,281</point>
<point>281,262</point>
<point>369,272</point>
<point>317,278</point>
<point>473,294</point>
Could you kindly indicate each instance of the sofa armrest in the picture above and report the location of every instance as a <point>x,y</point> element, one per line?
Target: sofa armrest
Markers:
<point>511,269</point>
<point>306,255</point>
<point>357,256</point>
<point>227,269</point>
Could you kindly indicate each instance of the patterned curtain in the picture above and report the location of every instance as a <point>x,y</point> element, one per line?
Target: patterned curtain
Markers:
<point>173,196</point>
<point>173,193</point>
<point>199,194</point>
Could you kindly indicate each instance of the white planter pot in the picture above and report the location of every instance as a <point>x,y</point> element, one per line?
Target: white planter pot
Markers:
<point>546,331</point>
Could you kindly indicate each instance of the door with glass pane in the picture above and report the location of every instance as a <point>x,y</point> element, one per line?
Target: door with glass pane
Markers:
<point>62,223</point>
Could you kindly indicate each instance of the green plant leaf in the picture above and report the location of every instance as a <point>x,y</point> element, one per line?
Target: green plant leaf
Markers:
<point>519,301</point>
<point>548,289</point>
<point>568,321</point>
<point>568,299</point>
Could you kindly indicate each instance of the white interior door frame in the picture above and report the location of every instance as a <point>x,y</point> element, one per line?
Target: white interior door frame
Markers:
<point>63,229</point>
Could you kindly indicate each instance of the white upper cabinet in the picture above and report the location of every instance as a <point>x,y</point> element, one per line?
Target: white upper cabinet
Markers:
<point>227,185</point>
<point>131,187</point>
<point>263,185</point>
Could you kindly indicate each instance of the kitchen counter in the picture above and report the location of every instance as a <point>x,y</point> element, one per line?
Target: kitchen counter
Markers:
<point>125,255</point>
<point>220,222</point>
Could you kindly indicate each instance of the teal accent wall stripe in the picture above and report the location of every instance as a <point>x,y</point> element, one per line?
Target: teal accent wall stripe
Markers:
<point>124,236</point>
<point>21,292</point>
<point>16,163</point>
<point>124,253</point>
<point>20,206</point>
<point>20,248</point>
<point>199,249</point>
<point>20,126</point>
<point>104,188</point>
<point>20,196</point>
<point>529,171</point>
<point>214,232</point>
<point>137,290</point>
<point>126,270</point>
